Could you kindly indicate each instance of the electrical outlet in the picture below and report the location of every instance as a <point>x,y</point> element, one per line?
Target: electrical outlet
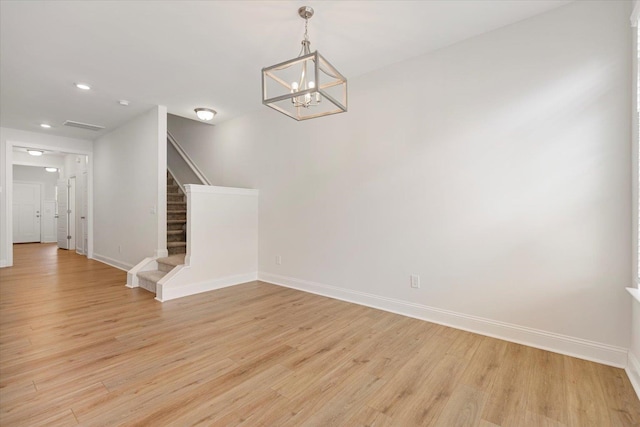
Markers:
<point>278,260</point>
<point>415,281</point>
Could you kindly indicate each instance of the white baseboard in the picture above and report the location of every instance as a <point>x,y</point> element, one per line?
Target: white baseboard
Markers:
<point>557,343</point>
<point>633,372</point>
<point>112,262</point>
<point>169,291</point>
<point>3,263</point>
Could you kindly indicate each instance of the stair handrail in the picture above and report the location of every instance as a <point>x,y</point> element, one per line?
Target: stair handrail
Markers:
<point>187,159</point>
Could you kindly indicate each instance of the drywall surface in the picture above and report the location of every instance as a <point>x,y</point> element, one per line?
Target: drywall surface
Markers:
<point>633,366</point>
<point>222,242</point>
<point>130,208</point>
<point>40,176</point>
<point>496,169</point>
<point>197,139</point>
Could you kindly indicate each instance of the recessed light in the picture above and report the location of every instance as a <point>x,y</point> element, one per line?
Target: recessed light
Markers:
<point>48,169</point>
<point>83,86</point>
<point>123,102</point>
<point>44,125</point>
<point>35,152</point>
<point>205,113</point>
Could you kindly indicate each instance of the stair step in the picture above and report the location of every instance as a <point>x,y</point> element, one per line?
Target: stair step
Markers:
<point>152,275</point>
<point>172,260</point>
<point>169,263</point>
<point>176,221</point>
<point>176,211</point>
<point>149,279</point>
<point>178,250</point>
<point>174,232</point>
<point>176,244</point>
<point>176,202</point>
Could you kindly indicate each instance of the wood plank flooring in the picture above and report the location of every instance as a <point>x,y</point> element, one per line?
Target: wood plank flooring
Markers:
<point>78,347</point>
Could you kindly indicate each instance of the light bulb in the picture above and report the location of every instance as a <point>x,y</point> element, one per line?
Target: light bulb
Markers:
<point>48,169</point>
<point>205,113</point>
<point>35,152</point>
<point>312,85</point>
<point>294,86</point>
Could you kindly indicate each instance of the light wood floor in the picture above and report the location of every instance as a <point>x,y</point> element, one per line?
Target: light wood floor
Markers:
<point>77,347</point>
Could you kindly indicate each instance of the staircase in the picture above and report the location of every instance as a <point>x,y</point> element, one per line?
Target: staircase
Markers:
<point>176,218</point>
<point>176,237</point>
<point>148,279</point>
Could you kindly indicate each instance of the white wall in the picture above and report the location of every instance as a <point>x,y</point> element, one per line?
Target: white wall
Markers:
<point>130,188</point>
<point>222,242</point>
<point>196,138</point>
<point>633,367</point>
<point>497,169</point>
<point>46,160</point>
<point>38,175</point>
<point>14,137</point>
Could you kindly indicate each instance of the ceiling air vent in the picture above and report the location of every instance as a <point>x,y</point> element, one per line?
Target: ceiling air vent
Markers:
<point>83,125</point>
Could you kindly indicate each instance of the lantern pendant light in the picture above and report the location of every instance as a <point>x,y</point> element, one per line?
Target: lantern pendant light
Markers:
<point>307,86</point>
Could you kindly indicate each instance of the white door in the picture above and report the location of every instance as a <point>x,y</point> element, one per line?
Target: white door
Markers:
<point>48,224</point>
<point>26,212</point>
<point>71,211</point>
<point>62,215</point>
<point>85,213</point>
<point>79,216</point>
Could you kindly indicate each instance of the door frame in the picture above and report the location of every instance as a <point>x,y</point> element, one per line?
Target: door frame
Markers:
<point>8,213</point>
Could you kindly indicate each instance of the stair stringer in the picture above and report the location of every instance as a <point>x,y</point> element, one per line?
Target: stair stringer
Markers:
<point>146,264</point>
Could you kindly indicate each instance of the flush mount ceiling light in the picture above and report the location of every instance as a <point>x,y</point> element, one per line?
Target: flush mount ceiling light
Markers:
<point>205,113</point>
<point>307,86</point>
<point>35,152</point>
<point>48,169</point>
<point>44,125</point>
<point>83,86</point>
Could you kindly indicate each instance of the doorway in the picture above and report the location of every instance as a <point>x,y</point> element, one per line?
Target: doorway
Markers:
<point>74,160</point>
<point>69,221</point>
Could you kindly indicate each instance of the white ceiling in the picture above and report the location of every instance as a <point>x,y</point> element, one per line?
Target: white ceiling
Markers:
<point>187,54</point>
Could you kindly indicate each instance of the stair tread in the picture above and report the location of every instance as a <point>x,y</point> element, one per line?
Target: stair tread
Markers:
<point>176,211</point>
<point>176,221</point>
<point>152,275</point>
<point>176,244</point>
<point>177,259</point>
<point>175,232</point>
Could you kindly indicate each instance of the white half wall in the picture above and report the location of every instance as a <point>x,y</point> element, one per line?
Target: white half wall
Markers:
<point>222,242</point>
<point>496,169</point>
<point>130,188</point>
<point>10,138</point>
